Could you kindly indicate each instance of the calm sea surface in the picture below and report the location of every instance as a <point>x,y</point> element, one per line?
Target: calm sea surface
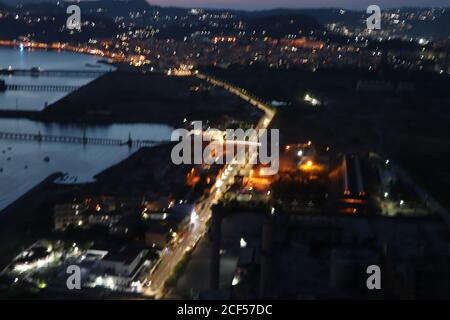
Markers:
<point>46,60</point>
<point>22,164</point>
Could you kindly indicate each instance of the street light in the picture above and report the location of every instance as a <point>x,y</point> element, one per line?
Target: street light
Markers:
<point>194,217</point>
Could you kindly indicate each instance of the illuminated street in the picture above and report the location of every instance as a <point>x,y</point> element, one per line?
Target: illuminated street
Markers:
<point>170,259</point>
<point>196,155</point>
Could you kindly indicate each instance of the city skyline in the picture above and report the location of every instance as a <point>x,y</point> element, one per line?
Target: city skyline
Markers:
<point>189,154</point>
<point>270,4</point>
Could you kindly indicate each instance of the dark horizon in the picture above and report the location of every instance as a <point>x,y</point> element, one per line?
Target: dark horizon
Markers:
<point>260,5</point>
<point>289,7</point>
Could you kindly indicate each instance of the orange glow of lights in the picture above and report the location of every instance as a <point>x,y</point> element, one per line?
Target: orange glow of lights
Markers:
<point>349,211</point>
<point>353,201</point>
<point>310,166</point>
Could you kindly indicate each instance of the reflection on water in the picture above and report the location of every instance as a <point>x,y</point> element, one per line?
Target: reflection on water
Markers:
<point>24,164</point>
<point>113,131</point>
<point>50,60</point>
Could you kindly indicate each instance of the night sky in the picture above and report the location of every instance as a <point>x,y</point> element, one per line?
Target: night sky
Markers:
<point>264,4</point>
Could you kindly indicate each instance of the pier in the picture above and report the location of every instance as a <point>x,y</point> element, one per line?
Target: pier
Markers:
<point>36,72</point>
<point>45,87</point>
<point>77,140</point>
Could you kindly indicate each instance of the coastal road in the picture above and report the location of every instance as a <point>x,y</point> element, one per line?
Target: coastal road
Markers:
<point>170,258</point>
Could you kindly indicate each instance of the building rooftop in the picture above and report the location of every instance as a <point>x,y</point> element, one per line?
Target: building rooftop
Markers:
<point>124,255</point>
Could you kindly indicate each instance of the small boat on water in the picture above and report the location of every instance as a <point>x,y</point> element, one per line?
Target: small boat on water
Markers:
<point>47,159</point>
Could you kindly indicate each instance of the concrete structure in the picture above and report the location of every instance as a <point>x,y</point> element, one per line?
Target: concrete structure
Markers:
<point>69,215</point>
<point>115,269</point>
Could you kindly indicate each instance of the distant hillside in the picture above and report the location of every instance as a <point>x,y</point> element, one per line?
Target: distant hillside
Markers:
<point>15,2</point>
<point>275,23</point>
<point>52,30</point>
<point>279,25</point>
<point>438,28</point>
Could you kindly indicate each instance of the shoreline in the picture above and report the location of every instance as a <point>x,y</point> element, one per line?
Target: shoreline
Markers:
<point>52,113</point>
<point>102,172</point>
<point>61,47</point>
<point>23,198</point>
<point>38,116</point>
<point>30,217</point>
